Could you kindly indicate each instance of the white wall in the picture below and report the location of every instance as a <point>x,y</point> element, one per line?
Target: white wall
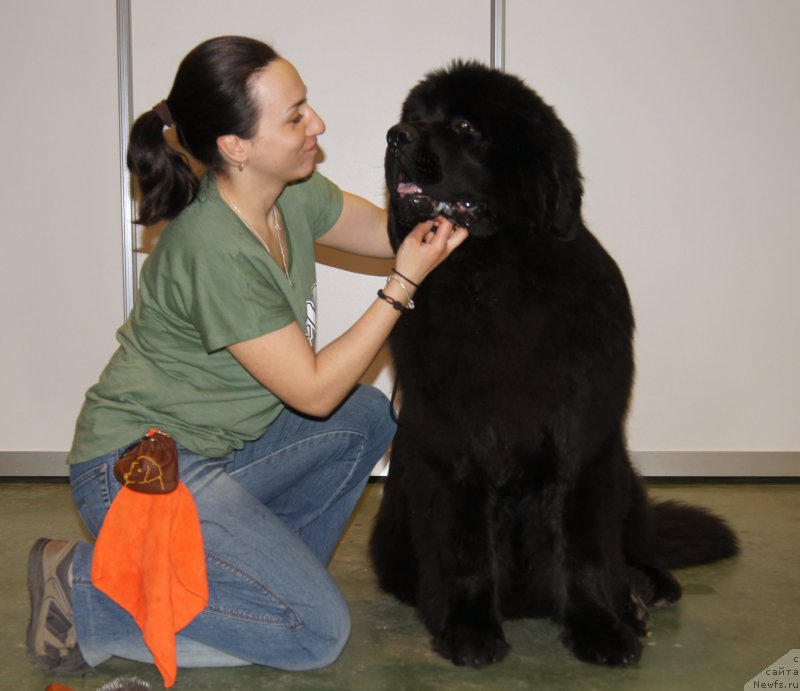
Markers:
<point>687,115</point>
<point>60,257</point>
<point>685,112</point>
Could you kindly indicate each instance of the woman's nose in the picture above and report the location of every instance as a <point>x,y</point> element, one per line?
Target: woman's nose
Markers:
<point>316,125</point>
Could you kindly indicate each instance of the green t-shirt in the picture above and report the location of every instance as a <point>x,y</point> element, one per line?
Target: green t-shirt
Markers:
<point>207,284</point>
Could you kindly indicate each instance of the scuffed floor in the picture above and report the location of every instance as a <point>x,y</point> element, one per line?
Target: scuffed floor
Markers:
<point>736,618</point>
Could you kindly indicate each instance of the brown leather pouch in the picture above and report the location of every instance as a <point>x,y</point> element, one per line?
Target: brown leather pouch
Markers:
<point>150,467</point>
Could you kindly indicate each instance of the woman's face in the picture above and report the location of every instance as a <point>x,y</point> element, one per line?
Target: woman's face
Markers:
<point>285,143</point>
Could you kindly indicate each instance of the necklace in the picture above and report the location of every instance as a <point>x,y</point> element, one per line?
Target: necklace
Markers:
<point>278,232</point>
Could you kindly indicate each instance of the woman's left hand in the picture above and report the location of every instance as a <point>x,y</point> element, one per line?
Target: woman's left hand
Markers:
<point>427,246</point>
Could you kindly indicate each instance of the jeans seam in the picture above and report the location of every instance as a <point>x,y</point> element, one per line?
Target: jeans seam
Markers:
<point>301,442</point>
<point>352,468</point>
<point>89,476</point>
<point>346,481</point>
<point>99,476</point>
<point>296,621</point>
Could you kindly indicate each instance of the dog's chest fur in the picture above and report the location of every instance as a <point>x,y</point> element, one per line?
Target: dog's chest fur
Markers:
<point>499,345</point>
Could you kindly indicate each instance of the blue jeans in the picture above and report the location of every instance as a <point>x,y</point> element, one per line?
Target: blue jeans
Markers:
<point>271,515</point>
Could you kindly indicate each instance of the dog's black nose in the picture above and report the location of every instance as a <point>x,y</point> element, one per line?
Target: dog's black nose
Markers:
<point>401,134</point>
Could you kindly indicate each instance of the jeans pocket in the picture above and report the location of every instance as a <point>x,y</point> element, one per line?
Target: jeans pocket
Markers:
<point>93,488</point>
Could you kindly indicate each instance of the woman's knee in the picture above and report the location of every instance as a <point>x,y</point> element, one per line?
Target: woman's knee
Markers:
<point>314,642</point>
<point>270,600</point>
<point>370,410</point>
<point>324,641</point>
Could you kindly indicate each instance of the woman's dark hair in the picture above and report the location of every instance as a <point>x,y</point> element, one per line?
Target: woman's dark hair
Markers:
<point>210,97</point>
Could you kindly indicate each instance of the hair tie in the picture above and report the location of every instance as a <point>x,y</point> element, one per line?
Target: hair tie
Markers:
<point>394,270</point>
<point>162,110</point>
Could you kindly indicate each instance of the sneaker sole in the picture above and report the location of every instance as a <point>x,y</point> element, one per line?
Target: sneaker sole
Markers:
<point>36,596</point>
<point>38,600</point>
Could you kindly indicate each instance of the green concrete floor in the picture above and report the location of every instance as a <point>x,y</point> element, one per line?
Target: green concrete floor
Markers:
<point>736,618</point>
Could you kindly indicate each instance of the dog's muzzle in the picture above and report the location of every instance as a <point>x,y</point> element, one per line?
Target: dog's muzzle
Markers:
<point>464,213</point>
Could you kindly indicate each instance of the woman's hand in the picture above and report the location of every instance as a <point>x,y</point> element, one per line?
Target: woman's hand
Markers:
<point>427,246</point>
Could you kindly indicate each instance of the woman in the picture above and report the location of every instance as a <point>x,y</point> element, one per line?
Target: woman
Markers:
<point>275,440</point>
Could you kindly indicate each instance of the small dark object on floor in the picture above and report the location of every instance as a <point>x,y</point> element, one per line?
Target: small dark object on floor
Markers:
<point>126,684</point>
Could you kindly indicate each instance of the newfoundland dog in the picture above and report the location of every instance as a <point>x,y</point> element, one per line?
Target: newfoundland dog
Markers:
<point>510,492</point>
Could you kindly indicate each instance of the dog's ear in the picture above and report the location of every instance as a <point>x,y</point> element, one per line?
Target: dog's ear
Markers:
<point>563,199</point>
<point>546,154</point>
<point>542,184</point>
<point>549,196</point>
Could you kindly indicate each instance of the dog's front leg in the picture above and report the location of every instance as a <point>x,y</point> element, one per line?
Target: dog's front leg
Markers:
<point>457,586</point>
<point>597,595</point>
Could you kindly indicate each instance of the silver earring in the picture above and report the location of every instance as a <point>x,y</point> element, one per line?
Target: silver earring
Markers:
<point>241,166</point>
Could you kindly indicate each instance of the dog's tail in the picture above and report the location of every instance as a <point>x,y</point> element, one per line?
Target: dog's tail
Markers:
<point>685,535</point>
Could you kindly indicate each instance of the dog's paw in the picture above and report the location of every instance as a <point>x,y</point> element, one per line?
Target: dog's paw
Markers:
<point>666,590</point>
<point>614,645</point>
<point>656,586</point>
<point>464,645</point>
<point>637,614</point>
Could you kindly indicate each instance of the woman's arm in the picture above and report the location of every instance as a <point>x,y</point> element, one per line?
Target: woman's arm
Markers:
<point>361,229</point>
<point>316,383</point>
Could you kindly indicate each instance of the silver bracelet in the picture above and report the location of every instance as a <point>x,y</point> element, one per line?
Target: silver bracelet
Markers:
<point>410,302</point>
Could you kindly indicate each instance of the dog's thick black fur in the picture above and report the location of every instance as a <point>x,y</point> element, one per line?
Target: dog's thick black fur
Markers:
<point>510,491</point>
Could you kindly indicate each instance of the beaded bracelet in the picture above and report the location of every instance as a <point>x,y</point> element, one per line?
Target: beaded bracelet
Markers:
<point>409,301</point>
<point>395,303</point>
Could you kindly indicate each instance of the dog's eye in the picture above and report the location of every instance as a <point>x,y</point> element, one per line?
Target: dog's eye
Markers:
<point>463,126</point>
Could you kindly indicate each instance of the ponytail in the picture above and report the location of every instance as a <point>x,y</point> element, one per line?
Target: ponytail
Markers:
<point>166,181</point>
<point>210,97</point>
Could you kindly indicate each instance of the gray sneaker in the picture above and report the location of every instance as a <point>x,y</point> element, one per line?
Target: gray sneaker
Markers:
<point>52,640</point>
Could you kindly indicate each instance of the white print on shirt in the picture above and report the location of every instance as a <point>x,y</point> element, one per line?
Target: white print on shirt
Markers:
<point>311,315</point>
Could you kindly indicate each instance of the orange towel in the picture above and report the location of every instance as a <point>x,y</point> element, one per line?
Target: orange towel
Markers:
<point>149,559</point>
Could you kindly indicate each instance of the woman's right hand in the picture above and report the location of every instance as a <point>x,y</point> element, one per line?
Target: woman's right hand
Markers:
<point>427,246</point>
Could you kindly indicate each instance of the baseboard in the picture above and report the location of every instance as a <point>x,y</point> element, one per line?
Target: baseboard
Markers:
<point>683,464</point>
<point>731,464</point>
<point>19,464</point>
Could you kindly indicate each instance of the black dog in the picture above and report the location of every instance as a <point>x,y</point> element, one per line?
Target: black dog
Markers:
<point>510,491</point>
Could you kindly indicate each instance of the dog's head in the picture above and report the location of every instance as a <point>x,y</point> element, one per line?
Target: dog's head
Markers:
<point>479,147</point>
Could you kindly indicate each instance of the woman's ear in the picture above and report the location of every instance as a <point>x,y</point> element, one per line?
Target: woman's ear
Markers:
<point>232,149</point>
